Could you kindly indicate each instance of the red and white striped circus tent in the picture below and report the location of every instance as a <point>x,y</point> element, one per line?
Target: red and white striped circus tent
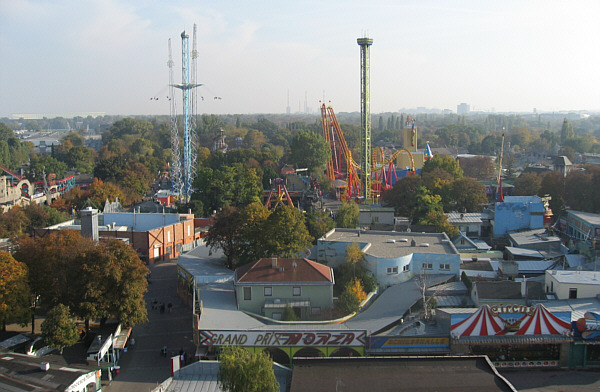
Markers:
<point>480,323</point>
<point>542,322</point>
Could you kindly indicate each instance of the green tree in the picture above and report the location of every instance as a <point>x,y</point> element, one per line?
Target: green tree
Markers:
<point>347,216</point>
<point>403,195</point>
<point>15,298</point>
<point>309,150</point>
<point>115,284</point>
<point>59,330</point>
<point>289,314</point>
<point>527,184</point>
<point>285,233</point>
<point>242,371</point>
<point>445,162</point>
<point>466,195</point>
<point>318,222</point>
<point>440,221</point>
<point>566,132</point>
<point>226,234</point>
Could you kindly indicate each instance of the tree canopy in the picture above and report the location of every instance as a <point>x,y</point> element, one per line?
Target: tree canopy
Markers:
<point>58,329</point>
<point>242,371</point>
<point>15,297</point>
<point>96,280</point>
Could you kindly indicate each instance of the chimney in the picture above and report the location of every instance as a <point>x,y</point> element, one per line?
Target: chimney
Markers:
<point>524,287</point>
<point>413,243</point>
<point>44,366</point>
<point>274,262</point>
<point>89,223</point>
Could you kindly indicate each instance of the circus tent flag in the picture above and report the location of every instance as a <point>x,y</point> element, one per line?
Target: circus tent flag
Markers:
<point>480,323</point>
<point>542,322</point>
<point>428,154</point>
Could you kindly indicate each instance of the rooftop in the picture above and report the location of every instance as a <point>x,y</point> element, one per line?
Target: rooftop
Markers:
<point>576,277</point>
<point>284,270</point>
<point>24,371</point>
<point>522,238</point>
<point>507,289</point>
<point>589,217</point>
<point>389,244</point>
<point>389,373</point>
<point>469,217</point>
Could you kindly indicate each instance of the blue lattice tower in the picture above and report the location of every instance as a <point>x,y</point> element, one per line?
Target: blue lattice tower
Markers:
<point>189,138</point>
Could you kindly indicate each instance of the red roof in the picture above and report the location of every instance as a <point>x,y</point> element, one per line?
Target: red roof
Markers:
<point>286,271</point>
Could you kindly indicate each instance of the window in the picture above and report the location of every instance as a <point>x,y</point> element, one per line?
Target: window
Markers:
<point>406,268</point>
<point>315,309</point>
<point>189,227</point>
<point>247,293</point>
<point>445,266</point>
<point>427,266</point>
<point>572,293</point>
<point>276,316</point>
<point>296,291</point>
<point>392,270</point>
<point>268,291</point>
<point>168,236</point>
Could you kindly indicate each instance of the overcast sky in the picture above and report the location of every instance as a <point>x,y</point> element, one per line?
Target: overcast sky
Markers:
<point>69,56</point>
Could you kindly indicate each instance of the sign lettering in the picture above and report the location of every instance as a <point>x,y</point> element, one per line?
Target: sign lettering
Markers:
<point>265,339</point>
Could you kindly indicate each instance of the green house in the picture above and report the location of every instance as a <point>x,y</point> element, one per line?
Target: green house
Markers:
<point>268,285</point>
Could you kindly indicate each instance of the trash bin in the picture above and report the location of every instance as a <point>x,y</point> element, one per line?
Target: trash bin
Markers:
<point>117,370</point>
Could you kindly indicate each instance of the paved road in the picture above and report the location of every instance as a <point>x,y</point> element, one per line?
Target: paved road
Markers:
<point>554,380</point>
<point>142,367</point>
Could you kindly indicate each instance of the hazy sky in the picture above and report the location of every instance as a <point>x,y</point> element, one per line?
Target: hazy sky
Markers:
<point>66,56</point>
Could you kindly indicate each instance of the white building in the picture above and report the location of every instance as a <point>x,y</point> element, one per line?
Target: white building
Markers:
<point>573,284</point>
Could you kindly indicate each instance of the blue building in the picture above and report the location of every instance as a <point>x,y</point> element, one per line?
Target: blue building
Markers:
<point>392,257</point>
<point>518,213</point>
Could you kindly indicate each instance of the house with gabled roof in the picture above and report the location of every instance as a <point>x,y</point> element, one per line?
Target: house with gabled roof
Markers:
<point>268,285</point>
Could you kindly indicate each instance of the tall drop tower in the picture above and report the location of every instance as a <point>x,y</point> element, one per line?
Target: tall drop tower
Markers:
<point>365,114</point>
<point>182,183</point>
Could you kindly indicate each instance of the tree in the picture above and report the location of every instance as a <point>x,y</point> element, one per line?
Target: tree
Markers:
<point>242,371</point>
<point>59,330</point>
<point>318,222</point>
<point>553,184</point>
<point>226,233</point>
<point>445,162</point>
<point>403,195</point>
<point>480,167</point>
<point>352,296</point>
<point>467,195</point>
<point>289,314</point>
<point>566,131</point>
<point>527,184</point>
<point>284,233</point>
<point>309,150</point>
<point>15,298</point>
<point>440,221</point>
<point>115,284</point>
<point>96,280</point>
<point>354,256</point>
<point>347,216</point>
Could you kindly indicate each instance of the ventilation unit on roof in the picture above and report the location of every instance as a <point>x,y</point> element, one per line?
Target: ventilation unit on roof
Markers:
<point>424,245</point>
<point>402,240</point>
<point>391,241</point>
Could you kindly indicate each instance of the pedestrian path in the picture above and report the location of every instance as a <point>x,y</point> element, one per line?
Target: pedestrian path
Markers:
<point>143,366</point>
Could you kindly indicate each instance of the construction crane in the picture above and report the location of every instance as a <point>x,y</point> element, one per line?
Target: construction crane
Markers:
<point>499,180</point>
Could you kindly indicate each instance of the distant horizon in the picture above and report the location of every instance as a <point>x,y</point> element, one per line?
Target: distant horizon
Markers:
<point>421,110</point>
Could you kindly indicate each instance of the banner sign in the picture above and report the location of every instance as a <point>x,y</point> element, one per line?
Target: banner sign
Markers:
<point>278,339</point>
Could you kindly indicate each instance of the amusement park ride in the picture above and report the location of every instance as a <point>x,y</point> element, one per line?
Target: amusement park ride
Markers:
<point>343,171</point>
